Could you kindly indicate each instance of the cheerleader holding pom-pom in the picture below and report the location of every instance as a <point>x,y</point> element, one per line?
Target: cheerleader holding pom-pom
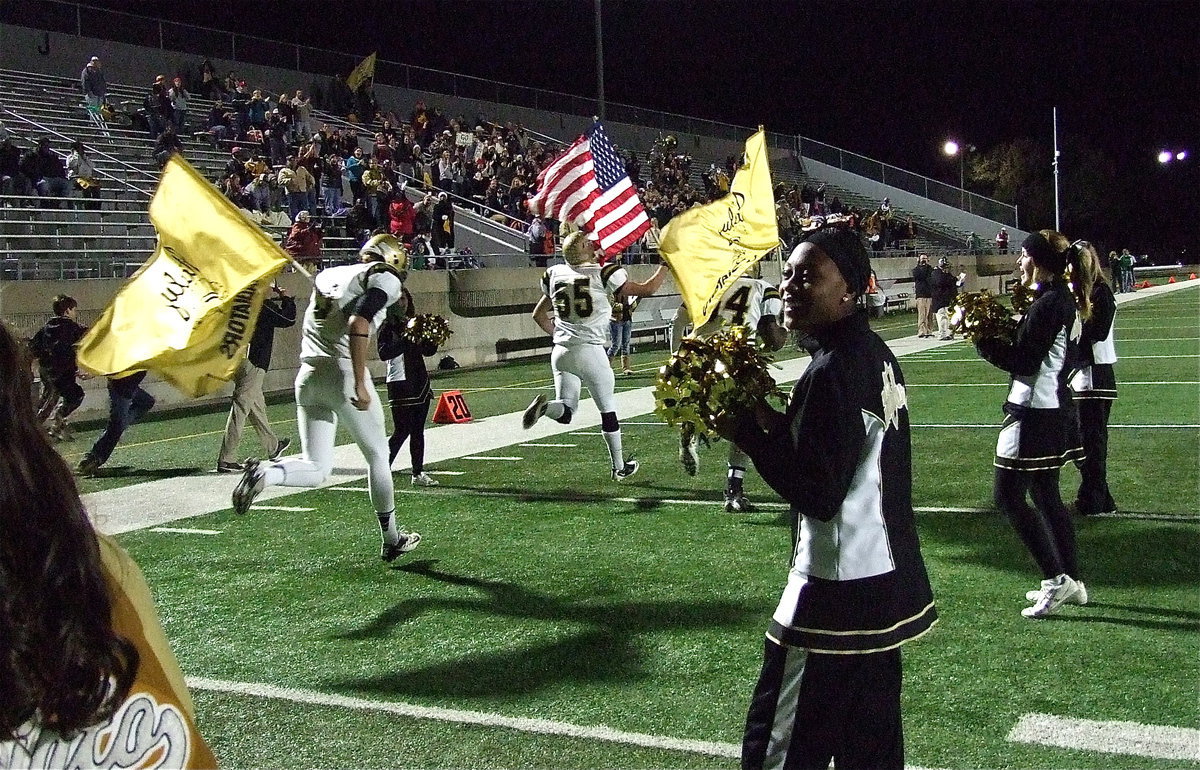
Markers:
<point>1040,432</point>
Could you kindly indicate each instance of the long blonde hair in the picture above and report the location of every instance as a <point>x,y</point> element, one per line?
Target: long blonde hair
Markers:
<point>1083,268</point>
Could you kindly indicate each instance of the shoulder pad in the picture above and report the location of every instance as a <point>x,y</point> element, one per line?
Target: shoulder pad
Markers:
<point>607,271</point>
<point>381,267</point>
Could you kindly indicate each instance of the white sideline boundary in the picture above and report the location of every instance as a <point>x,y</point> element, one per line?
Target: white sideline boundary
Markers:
<point>1129,738</point>
<point>155,503</point>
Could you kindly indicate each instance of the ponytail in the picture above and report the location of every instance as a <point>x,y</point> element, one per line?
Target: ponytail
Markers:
<point>1084,265</point>
<point>1077,260</point>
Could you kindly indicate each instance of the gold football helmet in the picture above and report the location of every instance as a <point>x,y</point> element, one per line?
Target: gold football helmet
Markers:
<point>385,248</point>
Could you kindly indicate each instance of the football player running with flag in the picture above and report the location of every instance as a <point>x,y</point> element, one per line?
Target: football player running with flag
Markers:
<point>754,303</point>
<point>588,187</point>
<point>574,309</point>
<point>348,303</point>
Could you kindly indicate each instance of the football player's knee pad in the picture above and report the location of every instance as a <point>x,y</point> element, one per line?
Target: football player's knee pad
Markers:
<point>609,422</point>
<point>567,414</point>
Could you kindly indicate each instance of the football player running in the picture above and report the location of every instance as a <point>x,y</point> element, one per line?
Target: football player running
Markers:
<point>574,309</point>
<point>754,303</point>
<point>348,303</point>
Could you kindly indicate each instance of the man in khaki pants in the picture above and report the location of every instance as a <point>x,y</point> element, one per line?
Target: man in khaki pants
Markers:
<point>923,291</point>
<point>277,312</point>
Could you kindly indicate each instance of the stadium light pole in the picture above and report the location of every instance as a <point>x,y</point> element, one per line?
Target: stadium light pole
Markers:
<point>599,60</point>
<point>953,148</point>
<point>1057,226</point>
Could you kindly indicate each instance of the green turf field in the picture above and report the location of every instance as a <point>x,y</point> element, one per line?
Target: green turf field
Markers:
<point>629,618</point>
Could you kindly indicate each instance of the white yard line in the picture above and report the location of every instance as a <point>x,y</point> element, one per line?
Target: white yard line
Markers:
<point>1130,738</point>
<point>481,718</point>
<point>290,508</point>
<point>185,531</point>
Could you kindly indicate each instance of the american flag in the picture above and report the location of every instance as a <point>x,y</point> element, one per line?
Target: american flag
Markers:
<point>588,186</point>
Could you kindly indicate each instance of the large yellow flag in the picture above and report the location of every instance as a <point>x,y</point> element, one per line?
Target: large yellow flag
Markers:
<point>364,70</point>
<point>188,313</point>
<point>708,247</point>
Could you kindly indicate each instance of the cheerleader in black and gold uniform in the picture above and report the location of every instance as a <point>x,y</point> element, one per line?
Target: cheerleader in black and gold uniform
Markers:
<point>408,387</point>
<point>1094,387</point>
<point>1040,432</point>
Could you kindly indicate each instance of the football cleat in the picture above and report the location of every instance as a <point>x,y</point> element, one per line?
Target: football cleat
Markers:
<point>534,411</point>
<point>630,468</point>
<point>230,467</point>
<point>408,541</point>
<point>249,487</point>
<point>424,480</point>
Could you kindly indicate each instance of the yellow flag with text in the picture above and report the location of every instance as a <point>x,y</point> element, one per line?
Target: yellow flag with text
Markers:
<point>188,313</point>
<point>708,247</point>
<point>364,70</point>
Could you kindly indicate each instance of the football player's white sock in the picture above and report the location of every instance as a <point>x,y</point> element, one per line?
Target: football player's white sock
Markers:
<point>613,440</point>
<point>555,409</point>
<point>272,473</point>
<point>387,525</point>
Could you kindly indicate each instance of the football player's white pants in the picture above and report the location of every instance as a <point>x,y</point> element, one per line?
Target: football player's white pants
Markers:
<point>586,365</point>
<point>323,390</point>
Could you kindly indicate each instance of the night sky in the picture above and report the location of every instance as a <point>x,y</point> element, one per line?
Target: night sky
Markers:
<point>890,80</point>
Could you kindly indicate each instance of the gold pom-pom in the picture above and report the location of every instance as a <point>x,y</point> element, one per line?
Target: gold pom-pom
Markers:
<point>427,328</point>
<point>708,377</point>
<point>979,315</point>
<point>1022,297</point>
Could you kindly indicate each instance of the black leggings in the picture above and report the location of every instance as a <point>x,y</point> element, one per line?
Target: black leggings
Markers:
<point>409,424</point>
<point>1047,530</point>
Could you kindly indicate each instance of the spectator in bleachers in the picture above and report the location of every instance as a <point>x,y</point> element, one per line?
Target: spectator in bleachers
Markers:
<point>220,123</point>
<point>402,216</point>
<point>45,170</point>
<point>211,86</point>
<point>295,181</point>
<point>358,223</point>
<point>302,115</point>
<point>166,145</point>
<point>93,85</point>
<point>1002,241</point>
<point>356,166</point>
<point>232,189</point>
<point>179,97</point>
<point>332,175</point>
<point>256,110</point>
<point>258,193</point>
<point>157,104</point>
<point>374,192</point>
<point>974,244</point>
<point>13,181</point>
<point>82,175</point>
<point>304,242</point>
<point>309,158</point>
<point>442,235</point>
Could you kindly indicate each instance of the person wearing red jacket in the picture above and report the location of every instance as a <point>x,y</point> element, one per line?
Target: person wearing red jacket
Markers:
<point>303,241</point>
<point>402,217</point>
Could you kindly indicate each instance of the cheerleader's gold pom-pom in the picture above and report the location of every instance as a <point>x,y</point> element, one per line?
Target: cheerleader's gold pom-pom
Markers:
<point>708,377</point>
<point>427,328</point>
<point>979,315</point>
